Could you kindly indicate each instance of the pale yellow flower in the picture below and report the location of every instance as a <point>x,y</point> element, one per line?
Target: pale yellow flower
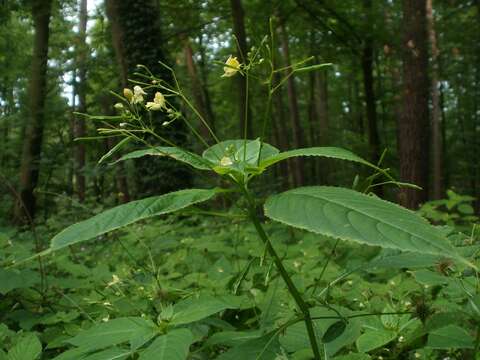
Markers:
<point>226,161</point>
<point>128,94</point>
<point>115,280</point>
<point>138,94</point>
<point>232,68</point>
<point>158,102</point>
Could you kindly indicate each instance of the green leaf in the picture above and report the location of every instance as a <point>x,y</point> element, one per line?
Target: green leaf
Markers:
<point>450,337</point>
<point>109,354</point>
<point>266,347</point>
<point>191,310</point>
<point>176,153</point>
<point>311,68</point>
<point>129,213</point>
<point>113,332</point>
<point>334,331</point>
<point>15,279</point>
<point>235,150</point>
<point>172,346</point>
<point>232,338</point>
<point>393,259</point>
<point>374,338</point>
<point>328,152</point>
<point>27,348</point>
<point>114,149</point>
<point>353,356</point>
<point>349,215</point>
<point>466,209</point>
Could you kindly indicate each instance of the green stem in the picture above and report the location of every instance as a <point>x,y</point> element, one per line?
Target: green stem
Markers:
<point>477,341</point>
<point>301,304</point>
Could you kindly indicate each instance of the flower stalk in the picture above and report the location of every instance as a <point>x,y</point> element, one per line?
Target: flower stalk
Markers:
<point>292,289</point>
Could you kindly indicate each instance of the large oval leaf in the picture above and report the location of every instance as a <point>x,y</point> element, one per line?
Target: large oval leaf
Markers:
<point>235,149</point>
<point>172,346</point>
<point>176,153</point>
<point>129,213</point>
<point>328,152</point>
<point>113,332</point>
<point>350,215</point>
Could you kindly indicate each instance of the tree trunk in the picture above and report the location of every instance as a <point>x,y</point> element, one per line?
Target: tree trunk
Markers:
<point>239,31</point>
<point>438,190</point>
<point>79,123</point>
<point>32,146</point>
<point>117,40</point>
<point>368,84</point>
<point>204,83</point>
<point>318,121</point>
<point>138,40</point>
<point>413,128</point>
<point>197,90</point>
<point>294,112</point>
<point>279,122</point>
<point>71,166</point>
<point>321,105</point>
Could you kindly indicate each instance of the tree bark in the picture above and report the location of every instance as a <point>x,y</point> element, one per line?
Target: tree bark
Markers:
<point>279,124</point>
<point>204,83</point>
<point>294,112</point>
<point>32,146</point>
<point>197,90</point>
<point>71,133</point>
<point>321,106</point>
<point>438,182</point>
<point>368,85</point>
<point>413,129</point>
<point>138,40</point>
<point>117,40</point>
<point>239,31</point>
<point>79,123</point>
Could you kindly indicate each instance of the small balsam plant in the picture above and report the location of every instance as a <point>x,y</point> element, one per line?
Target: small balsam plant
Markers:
<point>336,212</point>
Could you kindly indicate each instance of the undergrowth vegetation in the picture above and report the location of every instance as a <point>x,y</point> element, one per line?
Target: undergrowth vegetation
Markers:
<point>206,276</point>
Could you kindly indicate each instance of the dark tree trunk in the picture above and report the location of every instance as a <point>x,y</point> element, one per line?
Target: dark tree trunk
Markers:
<point>321,106</point>
<point>32,146</point>
<point>369,89</point>
<point>438,182</point>
<point>197,90</point>
<point>279,123</point>
<point>239,31</point>
<point>413,129</point>
<point>204,83</point>
<point>137,40</point>
<point>79,123</point>
<point>71,166</point>
<point>294,112</point>
<point>117,40</point>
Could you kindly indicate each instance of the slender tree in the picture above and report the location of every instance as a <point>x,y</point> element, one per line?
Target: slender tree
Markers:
<point>413,129</point>
<point>238,15</point>
<point>32,145</point>
<point>197,89</point>
<point>79,123</point>
<point>297,131</point>
<point>436,115</point>
<point>368,85</point>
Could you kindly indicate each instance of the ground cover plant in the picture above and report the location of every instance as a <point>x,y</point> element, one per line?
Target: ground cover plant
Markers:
<point>317,272</point>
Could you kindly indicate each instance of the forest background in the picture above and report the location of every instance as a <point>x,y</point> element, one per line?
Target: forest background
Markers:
<point>404,78</point>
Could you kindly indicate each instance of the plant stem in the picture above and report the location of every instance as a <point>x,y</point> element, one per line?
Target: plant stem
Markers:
<point>301,304</point>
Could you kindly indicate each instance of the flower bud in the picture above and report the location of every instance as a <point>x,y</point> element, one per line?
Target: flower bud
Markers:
<point>128,94</point>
